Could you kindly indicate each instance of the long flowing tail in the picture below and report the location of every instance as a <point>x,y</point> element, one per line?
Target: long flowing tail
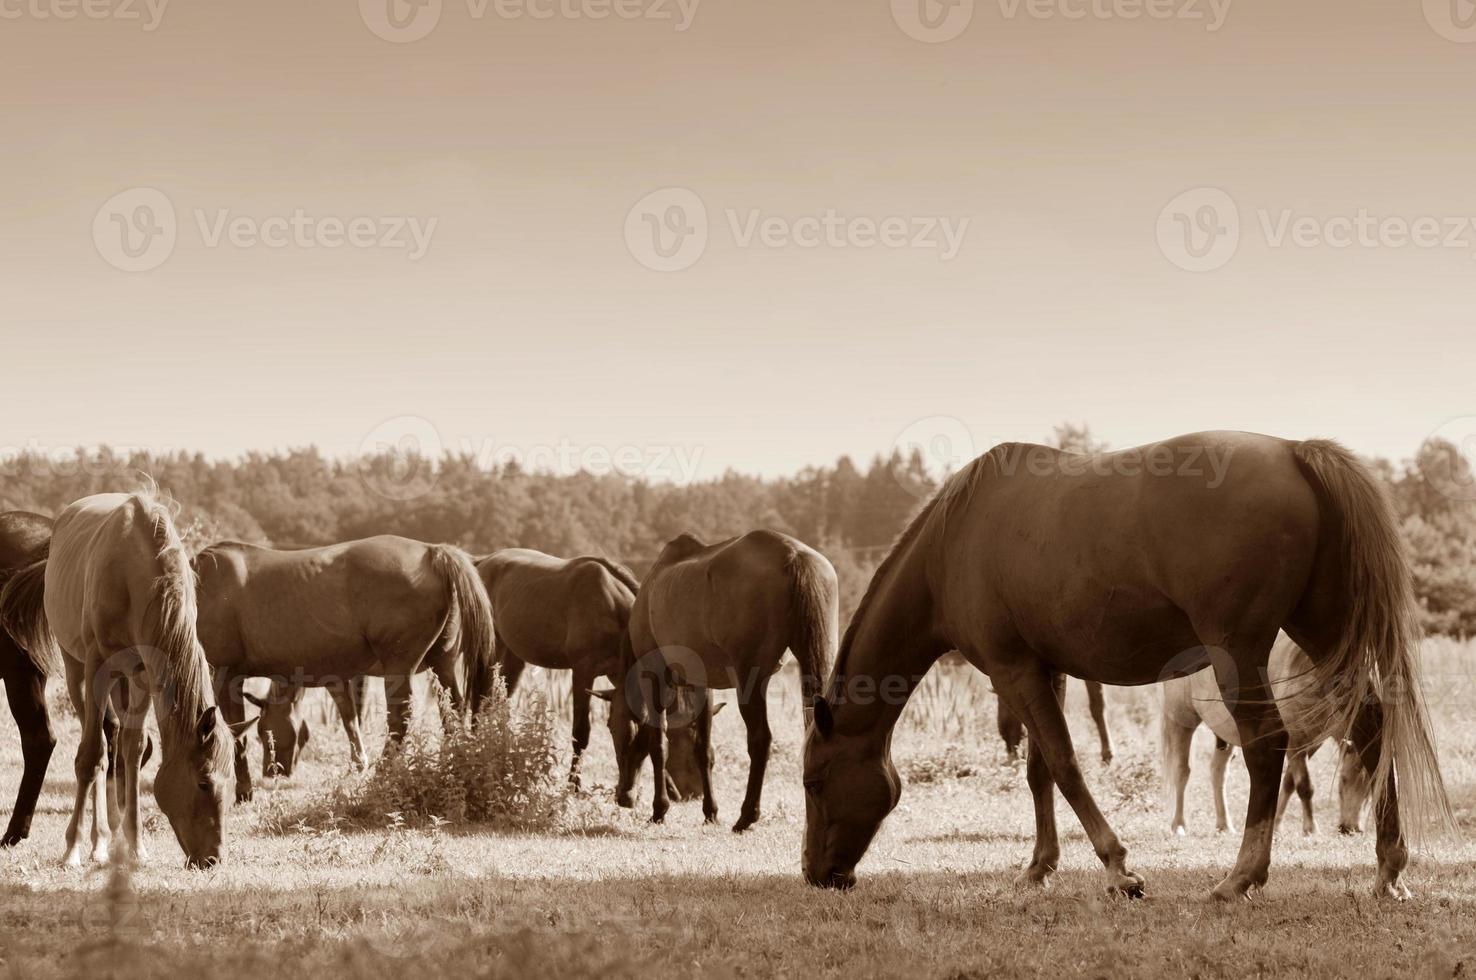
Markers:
<point>475,644</point>
<point>1378,652</point>
<point>813,621</point>
<point>23,613</point>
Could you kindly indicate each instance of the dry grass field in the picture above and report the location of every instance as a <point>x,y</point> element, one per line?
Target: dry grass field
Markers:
<point>608,894</point>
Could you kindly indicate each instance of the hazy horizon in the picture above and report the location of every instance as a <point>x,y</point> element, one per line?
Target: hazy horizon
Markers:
<point>1038,166</point>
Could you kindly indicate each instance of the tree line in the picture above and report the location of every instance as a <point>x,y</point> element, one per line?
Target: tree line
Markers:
<point>849,513</point>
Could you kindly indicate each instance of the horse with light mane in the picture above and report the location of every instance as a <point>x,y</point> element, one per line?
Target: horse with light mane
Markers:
<point>1129,568</point>
<point>330,616</point>
<point>559,614</point>
<point>1190,701</point>
<point>113,589</point>
<point>719,616</point>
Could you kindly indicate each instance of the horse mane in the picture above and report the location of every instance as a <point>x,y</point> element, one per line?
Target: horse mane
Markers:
<point>955,492</point>
<point>184,675</point>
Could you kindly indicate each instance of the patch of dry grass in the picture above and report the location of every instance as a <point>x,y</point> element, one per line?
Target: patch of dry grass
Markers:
<point>603,892</point>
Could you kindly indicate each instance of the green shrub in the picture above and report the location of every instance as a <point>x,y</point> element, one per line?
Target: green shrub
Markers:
<point>504,770</point>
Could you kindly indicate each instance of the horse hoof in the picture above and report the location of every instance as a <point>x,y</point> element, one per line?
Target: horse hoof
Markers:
<point>100,854</point>
<point>745,822</point>
<point>1394,891</point>
<point>1181,831</point>
<point>1232,891</point>
<point>1126,884</point>
<point>10,840</point>
<point>1309,828</point>
<point>73,859</point>
<point>710,817</point>
<point>1034,877</point>
<point>1348,829</point>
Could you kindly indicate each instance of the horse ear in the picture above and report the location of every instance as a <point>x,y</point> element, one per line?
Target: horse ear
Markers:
<point>303,733</point>
<point>148,752</point>
<point>824,720</point>
<point>608,694</point>
<point>205,728</point>
<point>240,728</point>
<point>719,707</point>
<point>259,702</point>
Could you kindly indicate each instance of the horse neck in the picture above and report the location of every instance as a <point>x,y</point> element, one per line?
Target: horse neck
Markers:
<point>893,644</point>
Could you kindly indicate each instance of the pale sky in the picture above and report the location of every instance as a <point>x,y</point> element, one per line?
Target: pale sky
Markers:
<point>530,323</point>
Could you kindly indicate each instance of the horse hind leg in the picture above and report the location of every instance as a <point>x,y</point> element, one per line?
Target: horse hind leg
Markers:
<point>25,689</point>
<point>90,766</point>
<point>1177,742</point>
<point>1297,780</point>
<point>1219,759</point>
<point>1239,670</point>
<point>753,705</point>
<point>1011,729</point>
<point>349,698</point>
<point>1098,706</point>
<point>583,680</point>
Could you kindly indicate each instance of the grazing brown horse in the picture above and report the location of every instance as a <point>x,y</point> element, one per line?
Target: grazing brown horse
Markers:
<point>1129,568</point>
<point>1190,701</point>
<point>327,617</point>
<point>1012,729</point>
<point>719,616</point>
<point>22,535</point>
<point>114,590</point>
<point>559,614</point>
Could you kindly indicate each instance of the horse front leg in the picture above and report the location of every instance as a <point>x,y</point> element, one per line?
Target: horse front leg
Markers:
<point>1011,729</point>
<point>348,698</point>
<point>1043,793</point>
<point>233,710</point>
<point>1028,686</point>
<point>1219,759</point>
<point>89,694</point>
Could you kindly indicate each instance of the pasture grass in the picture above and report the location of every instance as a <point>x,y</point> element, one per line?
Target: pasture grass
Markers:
<point>603,892</point>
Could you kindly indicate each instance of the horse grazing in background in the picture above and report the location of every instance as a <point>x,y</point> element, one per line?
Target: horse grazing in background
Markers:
<point>328,617</point>
<point>113,589</point>
<point>719,616</point>
<point>1012,729</point>
<point>1188,701</point>
<point>559,614</point>
<point>1129,568</point>
<point>24,673</point>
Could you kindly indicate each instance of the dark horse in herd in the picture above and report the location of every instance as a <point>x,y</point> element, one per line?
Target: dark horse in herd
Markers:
<point>1129,568</point>
<point>1123,568</point>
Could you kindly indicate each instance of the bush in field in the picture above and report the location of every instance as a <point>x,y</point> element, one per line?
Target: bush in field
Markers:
<point>503,770</point>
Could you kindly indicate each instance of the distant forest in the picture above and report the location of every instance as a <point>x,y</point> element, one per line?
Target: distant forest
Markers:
<point>849,513</point>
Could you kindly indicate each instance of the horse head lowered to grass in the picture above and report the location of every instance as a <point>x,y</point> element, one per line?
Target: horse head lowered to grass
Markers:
<point>115,592</point>
<point>1129,568</point>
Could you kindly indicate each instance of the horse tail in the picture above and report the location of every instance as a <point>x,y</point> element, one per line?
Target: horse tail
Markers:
<point>622,574</point>
<point>814,611</point>
<point>23,612</point>
<point>474,641</point>
<point>1378,651</point>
